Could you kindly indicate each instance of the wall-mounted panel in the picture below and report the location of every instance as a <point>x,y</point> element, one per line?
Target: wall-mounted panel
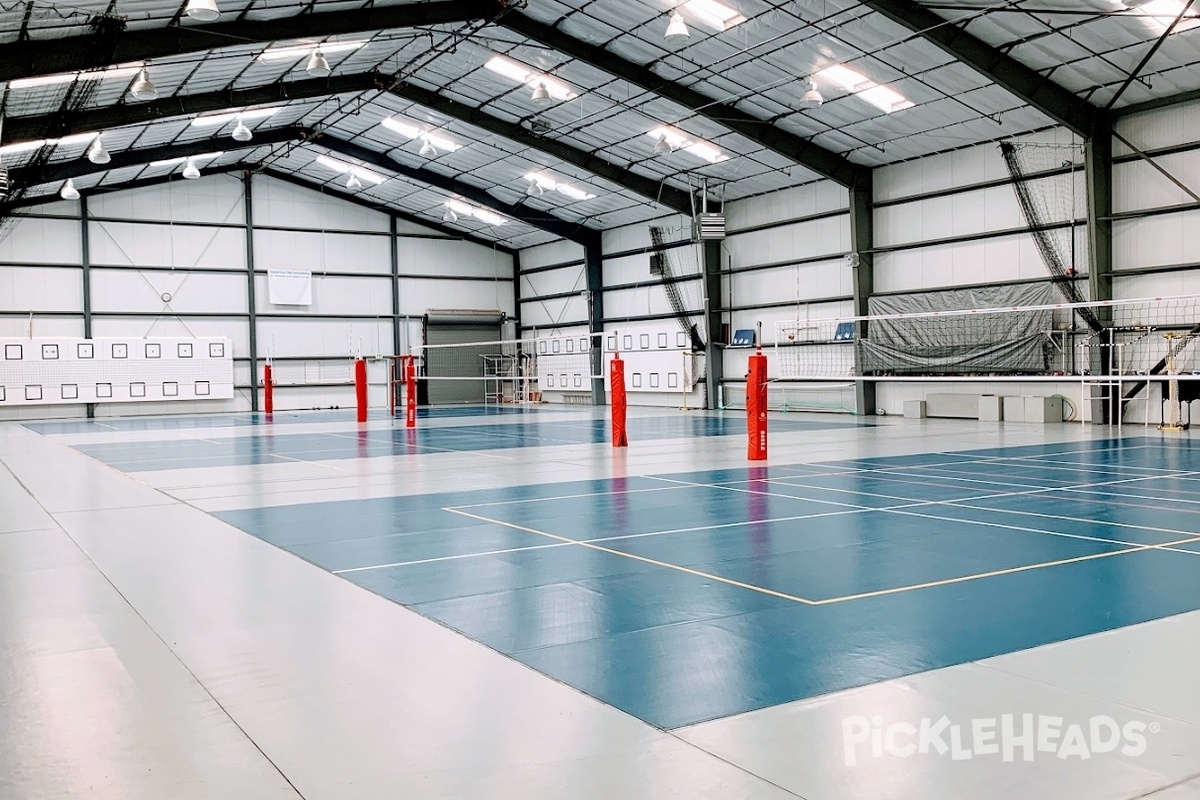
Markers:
<point>282,205</point>
<point>215,199</point>
<point>40,289</point>
<point>321,252</point>
<point>418,295</point>
<point>333,295</point>
<point>127,244</point>
<point>167,292</point>
<point>799,201</point>
<point>39,240</point>
<point>431,257</point>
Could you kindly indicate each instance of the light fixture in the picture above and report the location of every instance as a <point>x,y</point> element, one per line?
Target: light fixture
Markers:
<point>241,133</point>
<point>812,97</point>
<point>299,51</point>
<point>223,119</point>
<point>68,191</point>
<point>413,131</point>
<point>202,10</point>
<point>677,30</point>
<point>142,88</point>
<point>353,183</point>
<point>520,73</point>
<point>191,171</point>
<point>540,182</point>
<point>668,140</point>
<point>427,149</point>
<point>482,214</point>
<point>541,97</point>
<point>170,162</point>
<point>97,154</point>
<point>318,66</point>
<point>125,71</point>
<point>1161,14</point>
<point>449,216</point>
<point>341,168</point>
<point>37,144</point>
<point>714,14</point>
<point>885,98</point>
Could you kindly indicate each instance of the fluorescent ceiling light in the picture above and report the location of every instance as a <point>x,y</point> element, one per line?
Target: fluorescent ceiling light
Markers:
<point>883,97</point>
<point>36,144</point>
<point>1161,13</point>
<point>697,147</point>
<point>299,51</point>
<point>530,77</point>
<point>166,162</point>
<point>410,130</point>
<point>125,71</point>
<point>482,214</point>
<point>220,120</point>
<point>567,189</point>
<point>717,16</point>
<point>341,168</point>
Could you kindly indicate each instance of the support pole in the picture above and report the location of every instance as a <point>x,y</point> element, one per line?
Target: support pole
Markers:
<point>360,387</point>
<point>1099,175</point>
<point>251,301</point>
<point>268,390</point>
<point>714,367</point>
<point>616,381</point>
<point>85,249</point>
<point>756,406</point>
<point>394,242</point>
<point>593,259</point>
<point>862,264</point>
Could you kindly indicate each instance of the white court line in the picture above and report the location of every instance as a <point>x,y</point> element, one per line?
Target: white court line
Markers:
<point>572,496</point>
<point>963,504</point>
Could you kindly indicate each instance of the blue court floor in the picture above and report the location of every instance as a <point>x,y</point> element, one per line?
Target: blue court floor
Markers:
<point>686,596</point>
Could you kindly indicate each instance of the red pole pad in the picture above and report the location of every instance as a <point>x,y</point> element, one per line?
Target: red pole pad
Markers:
<point>268,390</point>
<point>756,408</point>
<point>410,392</point>
<point>360,388</point>
<point>616,381</point>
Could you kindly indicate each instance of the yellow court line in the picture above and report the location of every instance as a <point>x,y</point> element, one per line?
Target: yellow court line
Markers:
<point>655,562</point>
<point>830,600</point>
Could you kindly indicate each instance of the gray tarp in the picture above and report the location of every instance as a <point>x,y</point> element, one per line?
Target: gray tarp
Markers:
<point>1013,342</point>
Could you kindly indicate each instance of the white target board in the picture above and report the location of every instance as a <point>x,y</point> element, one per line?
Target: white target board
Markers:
<point>657,358</point>
<point>58,371</point>
<point>564,363</point>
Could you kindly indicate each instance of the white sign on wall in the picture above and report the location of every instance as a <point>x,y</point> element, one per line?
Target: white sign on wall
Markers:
<point>289,287</point>
<point>657,358</point>
<point>118,370</point>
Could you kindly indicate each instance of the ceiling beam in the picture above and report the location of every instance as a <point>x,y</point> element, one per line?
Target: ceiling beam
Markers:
<point>1027,84</point>
<point>825,163</point>
<point>530,216</point>
<point>27,59</point>
<point>658,191</point>
<point>158,180</point>
<point>22,129</point>
<point>57,171</point>
<point>304,183</point>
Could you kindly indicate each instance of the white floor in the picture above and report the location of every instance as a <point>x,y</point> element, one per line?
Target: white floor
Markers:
<point>148,650</point>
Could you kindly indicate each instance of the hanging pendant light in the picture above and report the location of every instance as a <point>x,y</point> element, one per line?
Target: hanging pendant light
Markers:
<point>449,216</point>
<point>241,133</point>
<point>812,98</point>
<point>541,97</point>
<point>662,147</point>
<point>318,65</point>
<point>353,183</point>
<point>427,149</point>
<point>677,30</point>
<point>97,154</point>
<point>535,189</point>
<point>142,88</point>
<point>191,171</point>
<point>68,191</point>
<point>202,10</point>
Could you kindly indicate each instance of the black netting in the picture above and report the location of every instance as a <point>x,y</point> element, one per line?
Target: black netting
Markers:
<point>661,255</point>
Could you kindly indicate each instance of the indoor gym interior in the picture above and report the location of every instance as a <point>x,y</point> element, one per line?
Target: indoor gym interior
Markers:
<point>621,398</point>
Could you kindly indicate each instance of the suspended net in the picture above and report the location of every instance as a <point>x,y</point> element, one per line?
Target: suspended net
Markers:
<point>1048,180</point>
<point>949,335</point>
<point>677,267</point>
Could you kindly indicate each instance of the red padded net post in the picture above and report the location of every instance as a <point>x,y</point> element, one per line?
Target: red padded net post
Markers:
<point>756,407</point>
<point>268,390</point>
<point>616,380</point>
<point>360,388</point>
<point>410,391</point>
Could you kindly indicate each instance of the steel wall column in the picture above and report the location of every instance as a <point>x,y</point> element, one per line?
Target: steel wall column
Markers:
<point>85,263</point>
<point>862,257</point>
<point>1099,176</point>
<point>252,320</point>
<point>593,260</point>
<point>714,350</point>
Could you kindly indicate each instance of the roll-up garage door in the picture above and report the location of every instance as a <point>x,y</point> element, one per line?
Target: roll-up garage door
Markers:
<point>463,328</point>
